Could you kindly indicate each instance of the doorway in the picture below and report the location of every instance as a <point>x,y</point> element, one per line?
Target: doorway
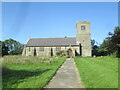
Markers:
<point>70,53</point>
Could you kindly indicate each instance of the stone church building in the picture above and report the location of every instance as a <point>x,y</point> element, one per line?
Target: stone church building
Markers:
<point>73,46</point>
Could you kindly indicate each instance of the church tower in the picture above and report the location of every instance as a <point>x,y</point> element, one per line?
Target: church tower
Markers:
<point>83,37</point>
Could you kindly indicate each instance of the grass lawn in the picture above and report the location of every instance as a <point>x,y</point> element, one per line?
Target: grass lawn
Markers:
<point>28,72</point>
<point>100,72</point>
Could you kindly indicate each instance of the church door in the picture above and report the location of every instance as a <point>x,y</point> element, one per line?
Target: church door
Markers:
<point>70,53</point>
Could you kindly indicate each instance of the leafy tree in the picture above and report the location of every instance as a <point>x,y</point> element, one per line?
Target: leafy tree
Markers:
<point>111,45</point>
<point>115,41</point>
<point>0,48</point>
<point>95,48</point>
<point>11,44</point>
<point>12,47</point>
<point>92,43</point>
<point>104,47</point>
<point>4,49</point>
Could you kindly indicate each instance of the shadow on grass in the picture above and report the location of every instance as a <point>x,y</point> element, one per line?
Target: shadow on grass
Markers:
<point>10,77</point>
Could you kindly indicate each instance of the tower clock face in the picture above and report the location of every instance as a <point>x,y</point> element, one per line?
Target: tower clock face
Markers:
<point>83,27</point>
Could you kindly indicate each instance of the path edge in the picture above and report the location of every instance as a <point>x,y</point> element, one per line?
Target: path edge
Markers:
<point>54,74</point>
<point>78,74</point>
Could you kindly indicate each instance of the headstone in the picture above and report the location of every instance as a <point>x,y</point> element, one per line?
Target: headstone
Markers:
<point>94,56</point>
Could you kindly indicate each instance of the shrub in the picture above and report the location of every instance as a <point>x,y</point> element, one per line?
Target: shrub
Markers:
<point>61,53</point>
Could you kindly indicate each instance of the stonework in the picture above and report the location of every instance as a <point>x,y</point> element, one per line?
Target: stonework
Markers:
<point>82,46</point>
<point>29,51</point>
<point>84,37</point>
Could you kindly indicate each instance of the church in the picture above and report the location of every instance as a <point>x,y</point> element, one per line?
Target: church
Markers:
<point>74,46</point>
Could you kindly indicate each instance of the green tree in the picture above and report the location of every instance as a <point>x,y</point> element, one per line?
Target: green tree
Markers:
<point>115,41</point>
<point>0,48</point>
<point>92,43</point>
<point>104,48</point>
<point>4,49</point>
<point>12,47</point>
<point>95,48</point>
<point>111,45</point>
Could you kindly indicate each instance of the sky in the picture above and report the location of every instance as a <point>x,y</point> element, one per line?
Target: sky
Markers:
<point>24,20</point>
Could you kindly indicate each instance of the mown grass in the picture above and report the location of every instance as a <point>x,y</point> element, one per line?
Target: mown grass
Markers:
<point>28,72</point>
<point>100,72</point>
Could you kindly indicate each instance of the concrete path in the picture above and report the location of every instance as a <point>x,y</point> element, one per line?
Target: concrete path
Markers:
<point>66,77</point>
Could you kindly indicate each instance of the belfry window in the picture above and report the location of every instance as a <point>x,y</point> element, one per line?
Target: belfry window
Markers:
<point>83,27</point>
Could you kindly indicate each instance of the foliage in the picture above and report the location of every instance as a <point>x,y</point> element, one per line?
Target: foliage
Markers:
<point>0,49</point>
<point>104,48</point>
<point>12,47</point>
<point>4,49</point>
<point>95,48</point>
<point>115,41</point>
<point>61,53</point>
<point>29,72</point>
<point>99,72</point>
<point>93,42</point>
<point>112,43</point>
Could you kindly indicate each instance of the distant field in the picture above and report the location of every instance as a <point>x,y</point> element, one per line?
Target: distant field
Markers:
<point>29,72</point>
<point>100,72</point>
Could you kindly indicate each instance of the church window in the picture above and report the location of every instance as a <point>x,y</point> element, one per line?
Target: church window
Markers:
<point>83,27</point>
<point>41,48</point>
<point>58,48</point>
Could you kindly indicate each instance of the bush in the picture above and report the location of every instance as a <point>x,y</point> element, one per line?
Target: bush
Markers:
<point>61,53</point>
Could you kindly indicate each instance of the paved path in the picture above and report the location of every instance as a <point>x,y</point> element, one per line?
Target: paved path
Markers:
<point>66,77</point>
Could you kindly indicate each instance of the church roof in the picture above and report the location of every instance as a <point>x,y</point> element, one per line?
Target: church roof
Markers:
<point>34,42</point>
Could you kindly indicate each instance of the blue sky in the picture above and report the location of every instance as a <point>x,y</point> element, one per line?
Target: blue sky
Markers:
<point>47,20</point>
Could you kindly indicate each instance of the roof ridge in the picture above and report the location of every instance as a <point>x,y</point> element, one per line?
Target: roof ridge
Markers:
<point>51,41</point>
<point>53,38</point>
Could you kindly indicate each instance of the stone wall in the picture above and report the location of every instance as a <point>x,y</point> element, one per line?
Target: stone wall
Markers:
<point>29,51</point>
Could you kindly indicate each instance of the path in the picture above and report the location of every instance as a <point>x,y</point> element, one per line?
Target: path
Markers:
<point>66,77</point>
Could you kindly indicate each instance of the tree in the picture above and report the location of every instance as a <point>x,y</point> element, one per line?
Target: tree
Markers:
<point>92,43</point>
<point>95,48</point>
<point>12,47</point>
<point>115,41</point>
<point>0,48</point>
<point>4,49</point>
<point>111,44</point>
<point>104,47</point>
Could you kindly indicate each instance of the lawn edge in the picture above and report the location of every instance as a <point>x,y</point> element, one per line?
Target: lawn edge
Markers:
<point>53,75</point>
<point>78,74</point>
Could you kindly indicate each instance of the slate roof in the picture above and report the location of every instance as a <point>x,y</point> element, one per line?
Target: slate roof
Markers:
<point>34,42</point>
